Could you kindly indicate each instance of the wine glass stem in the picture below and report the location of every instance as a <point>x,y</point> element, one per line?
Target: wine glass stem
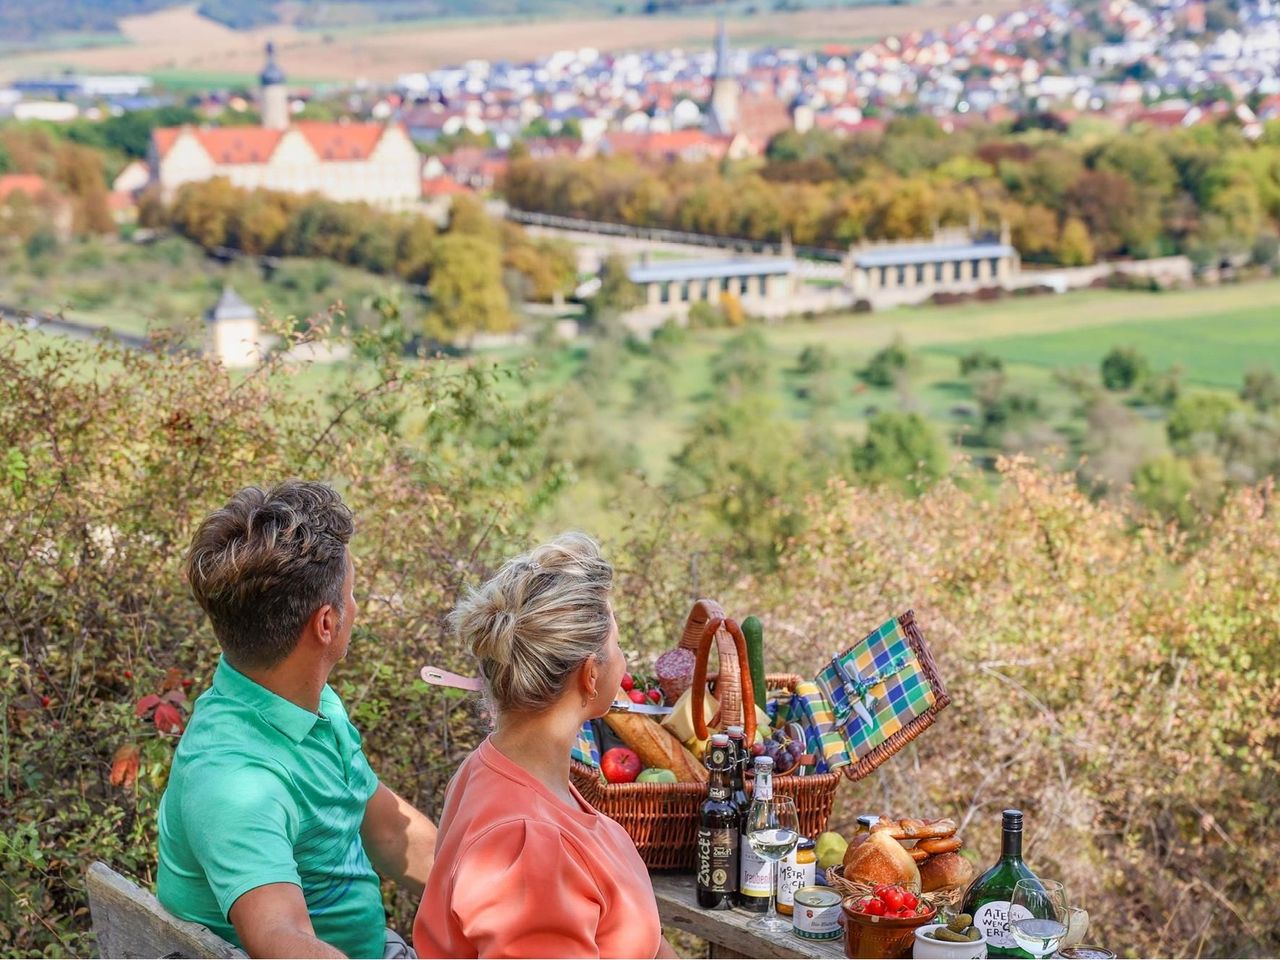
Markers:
<point>772,915</point>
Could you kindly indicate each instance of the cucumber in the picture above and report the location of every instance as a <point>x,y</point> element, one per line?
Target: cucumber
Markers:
<point>753,633</point>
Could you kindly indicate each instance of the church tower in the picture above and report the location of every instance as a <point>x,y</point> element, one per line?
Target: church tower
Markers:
<point>724,87</point>
<point>275,98</point>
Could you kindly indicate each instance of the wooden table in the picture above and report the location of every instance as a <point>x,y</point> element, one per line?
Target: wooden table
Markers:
<point>726,930</point>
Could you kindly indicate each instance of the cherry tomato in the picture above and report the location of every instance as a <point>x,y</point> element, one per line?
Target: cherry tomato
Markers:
<point>879,890</point>
<point>875,907</point>
<point>892,899</point>
<point>628,683</point>
<point>910,900</point>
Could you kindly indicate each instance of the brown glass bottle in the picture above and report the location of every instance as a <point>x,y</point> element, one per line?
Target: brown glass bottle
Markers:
<point>740,754</point>
<point>718,822</point>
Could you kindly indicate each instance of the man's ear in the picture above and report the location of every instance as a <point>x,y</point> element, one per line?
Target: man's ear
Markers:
<point>324,623</point>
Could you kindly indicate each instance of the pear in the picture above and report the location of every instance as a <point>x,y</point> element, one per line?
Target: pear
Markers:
<point>830,849</point>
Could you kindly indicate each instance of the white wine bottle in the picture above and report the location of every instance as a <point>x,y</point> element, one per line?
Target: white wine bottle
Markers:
<point>987,899</point>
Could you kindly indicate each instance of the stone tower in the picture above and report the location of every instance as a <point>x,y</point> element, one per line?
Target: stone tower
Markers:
<point>232,333</point>
<point>724,86</point>
<point>275,98</point>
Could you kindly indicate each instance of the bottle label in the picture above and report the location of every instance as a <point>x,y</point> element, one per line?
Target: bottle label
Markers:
<point>757,874</point>
<point>717,859</point>
<point>792,876</point>
<point>993,919</point>
<point>718,793</point>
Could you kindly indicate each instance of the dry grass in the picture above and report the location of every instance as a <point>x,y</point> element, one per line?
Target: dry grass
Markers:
<point>180,39</point>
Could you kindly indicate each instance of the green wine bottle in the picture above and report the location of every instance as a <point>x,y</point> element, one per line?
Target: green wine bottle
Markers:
<point>987,899</point>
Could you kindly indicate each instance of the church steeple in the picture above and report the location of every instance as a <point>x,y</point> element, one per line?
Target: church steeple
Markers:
<point>275,98</point>
<point>724,85</point>
<point>724,65</point>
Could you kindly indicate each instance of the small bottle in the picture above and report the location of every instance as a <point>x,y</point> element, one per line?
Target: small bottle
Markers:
<point>796,871</point>
<point>755,881</point>
<point>987,898</point>
<point>741,755</point>
<point>718,828</point>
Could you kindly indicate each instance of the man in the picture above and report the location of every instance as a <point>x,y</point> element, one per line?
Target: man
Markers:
<point>272,823</point>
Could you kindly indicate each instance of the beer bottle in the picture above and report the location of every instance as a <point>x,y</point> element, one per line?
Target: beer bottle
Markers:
<point>718,826</point>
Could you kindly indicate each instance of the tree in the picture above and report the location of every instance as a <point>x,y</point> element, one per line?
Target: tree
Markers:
<point>1197,420</point>
<point>1123,368</point>
<point>1075,248</point>
<point>467,295</point>
<point>887,365</point>
<point>1183,490</point>
<point>617,293</point>
<point>1261,389</point>
<point>203,212</point>
<point>979,361</point>
<point>902,450</point>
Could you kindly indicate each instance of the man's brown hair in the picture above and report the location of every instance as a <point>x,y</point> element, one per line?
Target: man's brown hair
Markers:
<point>264,563</point>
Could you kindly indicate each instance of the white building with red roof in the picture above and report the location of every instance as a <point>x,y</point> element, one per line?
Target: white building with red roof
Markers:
<point>370,162</point>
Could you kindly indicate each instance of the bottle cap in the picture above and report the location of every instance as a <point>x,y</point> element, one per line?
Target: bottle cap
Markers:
<point>737,730</point>
<point>764,764</point>
<point>805,844</point>
<point>868,820</point>
<point>719,739</point>
<point>1013,819</point>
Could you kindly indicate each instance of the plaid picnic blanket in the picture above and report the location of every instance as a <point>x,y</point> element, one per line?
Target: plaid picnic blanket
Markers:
<point>874,689</point>
<point>585,748</point>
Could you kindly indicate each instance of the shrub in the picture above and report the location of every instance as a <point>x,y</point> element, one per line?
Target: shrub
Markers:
<point>978,361</point>
<point>1261,389</point>
<point>1122,368</point>
<point>887,365</point>
<point>902,450</point>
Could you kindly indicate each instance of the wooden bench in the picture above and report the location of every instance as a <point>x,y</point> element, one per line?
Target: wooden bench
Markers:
<point>129,922</point>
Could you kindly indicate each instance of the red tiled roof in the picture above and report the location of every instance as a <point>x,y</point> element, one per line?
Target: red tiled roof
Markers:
<point>342,141</point>
<point>230,145</point>
<point>442,187</point>
<point>28,183</point>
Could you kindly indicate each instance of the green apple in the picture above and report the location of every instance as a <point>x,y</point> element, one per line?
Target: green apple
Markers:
<point>829,849</point>
<point>656,775</point>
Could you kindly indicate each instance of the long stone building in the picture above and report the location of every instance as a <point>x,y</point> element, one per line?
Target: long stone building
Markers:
<point>953,261</point>
<point>369,162</point>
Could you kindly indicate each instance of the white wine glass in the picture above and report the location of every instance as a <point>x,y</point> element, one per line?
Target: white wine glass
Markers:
<point>1038,915</point>
<point>1077,926</point>
<point>773,830</point>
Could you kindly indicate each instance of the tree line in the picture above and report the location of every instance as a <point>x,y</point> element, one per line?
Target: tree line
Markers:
<point>1070,194</point>
<point>472,269</point>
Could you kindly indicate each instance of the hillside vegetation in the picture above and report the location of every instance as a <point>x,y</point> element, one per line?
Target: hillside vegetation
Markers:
<point>1117,680</point>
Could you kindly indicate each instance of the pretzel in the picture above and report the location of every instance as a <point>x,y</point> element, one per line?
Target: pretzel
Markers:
<point>940,845</point>
<point>913,829</point>
<point>918,855</point>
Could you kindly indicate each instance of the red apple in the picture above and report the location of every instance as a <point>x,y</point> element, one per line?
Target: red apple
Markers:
<point>620,765</point>
<point>628,683</point>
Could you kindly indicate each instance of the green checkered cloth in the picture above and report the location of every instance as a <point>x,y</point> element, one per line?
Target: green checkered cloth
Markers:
<point>879,680</point>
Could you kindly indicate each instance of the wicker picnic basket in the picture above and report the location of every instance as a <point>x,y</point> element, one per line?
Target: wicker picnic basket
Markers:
<point>662,818</point>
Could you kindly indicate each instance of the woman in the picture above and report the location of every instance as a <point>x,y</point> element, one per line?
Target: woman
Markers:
<point>524,866</point>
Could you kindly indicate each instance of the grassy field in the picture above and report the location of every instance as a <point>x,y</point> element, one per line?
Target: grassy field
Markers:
<point>178,39</point>
<point>1211,347</point>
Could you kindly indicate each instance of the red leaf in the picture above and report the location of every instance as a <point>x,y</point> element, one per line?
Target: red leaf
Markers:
<point>124,766</point>
<point>168,719</point>
<point>146,704</point>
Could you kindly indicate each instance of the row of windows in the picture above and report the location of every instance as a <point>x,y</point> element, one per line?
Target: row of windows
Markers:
<point>702,289</point>
<point>922,273</point>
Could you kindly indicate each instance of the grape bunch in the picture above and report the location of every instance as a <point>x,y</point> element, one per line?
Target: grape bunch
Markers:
<point>783,749</point>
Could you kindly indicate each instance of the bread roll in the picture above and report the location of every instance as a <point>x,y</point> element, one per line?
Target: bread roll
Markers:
<point>881,859</point>
<point>656,746</point>
<point>944,871</point>
<point>941,844</point>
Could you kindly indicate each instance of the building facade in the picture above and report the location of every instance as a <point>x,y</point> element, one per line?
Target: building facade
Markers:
<point>370,162</point>
<point>953,261</point>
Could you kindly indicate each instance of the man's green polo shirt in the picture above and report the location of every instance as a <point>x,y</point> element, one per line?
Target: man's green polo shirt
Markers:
<point>263,791</point>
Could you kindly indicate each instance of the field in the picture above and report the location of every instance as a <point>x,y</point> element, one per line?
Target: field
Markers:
<point>180,40</point>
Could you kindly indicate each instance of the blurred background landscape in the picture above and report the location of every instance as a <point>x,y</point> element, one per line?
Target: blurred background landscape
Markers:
<point>826,311</point>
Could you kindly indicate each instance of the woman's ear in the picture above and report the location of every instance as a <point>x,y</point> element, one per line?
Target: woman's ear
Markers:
<point>589,678</point>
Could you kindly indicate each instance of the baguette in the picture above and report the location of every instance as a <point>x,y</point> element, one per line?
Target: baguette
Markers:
<point>656,746</point>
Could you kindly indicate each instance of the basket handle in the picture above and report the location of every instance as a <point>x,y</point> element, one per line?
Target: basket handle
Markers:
<point>699,687</point>
<point>702,613</point>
